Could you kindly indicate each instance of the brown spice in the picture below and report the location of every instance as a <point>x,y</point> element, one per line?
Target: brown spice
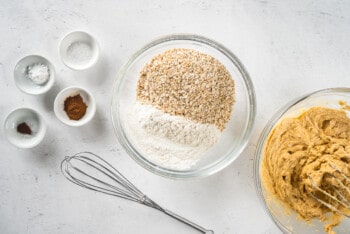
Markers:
<point>75,107</point>
<point>23,128</point>
<point>188,83</point>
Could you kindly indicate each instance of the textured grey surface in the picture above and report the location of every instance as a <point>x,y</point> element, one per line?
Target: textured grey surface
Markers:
<point>289,48</point>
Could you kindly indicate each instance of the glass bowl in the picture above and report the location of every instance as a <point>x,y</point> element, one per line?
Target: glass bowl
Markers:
<point>286,219</point>
<point>233,139</point>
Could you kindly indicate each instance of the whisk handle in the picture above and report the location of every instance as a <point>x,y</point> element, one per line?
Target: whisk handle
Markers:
<point>188,222</point>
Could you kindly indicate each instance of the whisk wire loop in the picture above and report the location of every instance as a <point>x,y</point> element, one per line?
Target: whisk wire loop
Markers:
<point>119,177</point>
<point>67,168</point>
<point>339,201</point>
<point>128,192</point>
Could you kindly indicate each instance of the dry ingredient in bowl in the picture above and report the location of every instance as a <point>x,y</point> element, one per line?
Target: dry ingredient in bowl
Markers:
<point>184,101</point>
<point>305,147</point>
<point>172,141</point>
<point>188,83</point>
<point>75,107</point>
<point>79,53</point>
<point>24,129</point>
<point>38,73</point>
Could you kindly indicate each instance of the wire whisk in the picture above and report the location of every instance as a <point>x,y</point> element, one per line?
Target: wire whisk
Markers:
<point>336,196</point>
<point>90,171</point>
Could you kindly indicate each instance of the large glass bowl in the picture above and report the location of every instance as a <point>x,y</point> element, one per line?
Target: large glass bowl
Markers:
<point>284,218</point>
<point>233,139</point>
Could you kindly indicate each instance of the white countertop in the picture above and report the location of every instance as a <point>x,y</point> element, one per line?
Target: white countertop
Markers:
<point>290,48</point>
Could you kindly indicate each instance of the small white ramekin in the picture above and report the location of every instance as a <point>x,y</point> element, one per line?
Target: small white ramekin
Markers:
<point>32,119</point>
<point>24,83</point>
<point>79,60</point>
<point>72,91</point>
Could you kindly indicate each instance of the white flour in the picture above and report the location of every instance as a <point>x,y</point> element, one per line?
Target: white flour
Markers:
<point>171,141</point>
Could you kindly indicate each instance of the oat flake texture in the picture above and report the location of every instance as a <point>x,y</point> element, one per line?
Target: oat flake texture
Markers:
<point>188,83</point>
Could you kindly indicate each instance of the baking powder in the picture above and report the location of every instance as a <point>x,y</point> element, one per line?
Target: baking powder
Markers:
<point>38,73</point>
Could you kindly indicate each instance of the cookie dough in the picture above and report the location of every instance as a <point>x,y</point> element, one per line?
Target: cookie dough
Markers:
<point>302,149</point>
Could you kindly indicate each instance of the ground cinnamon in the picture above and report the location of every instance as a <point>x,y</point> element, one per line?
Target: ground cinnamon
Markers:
<point>75,107</point>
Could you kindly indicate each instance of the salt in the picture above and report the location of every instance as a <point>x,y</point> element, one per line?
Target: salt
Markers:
<point>39,73</point>
<point>79,53</point>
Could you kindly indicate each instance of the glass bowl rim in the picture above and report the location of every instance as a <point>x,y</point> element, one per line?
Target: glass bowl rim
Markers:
<point>262,139</point>
<point>205,171</point>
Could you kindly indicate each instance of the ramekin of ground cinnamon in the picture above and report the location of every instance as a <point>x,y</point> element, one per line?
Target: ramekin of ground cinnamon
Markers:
<point>74,106</point>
